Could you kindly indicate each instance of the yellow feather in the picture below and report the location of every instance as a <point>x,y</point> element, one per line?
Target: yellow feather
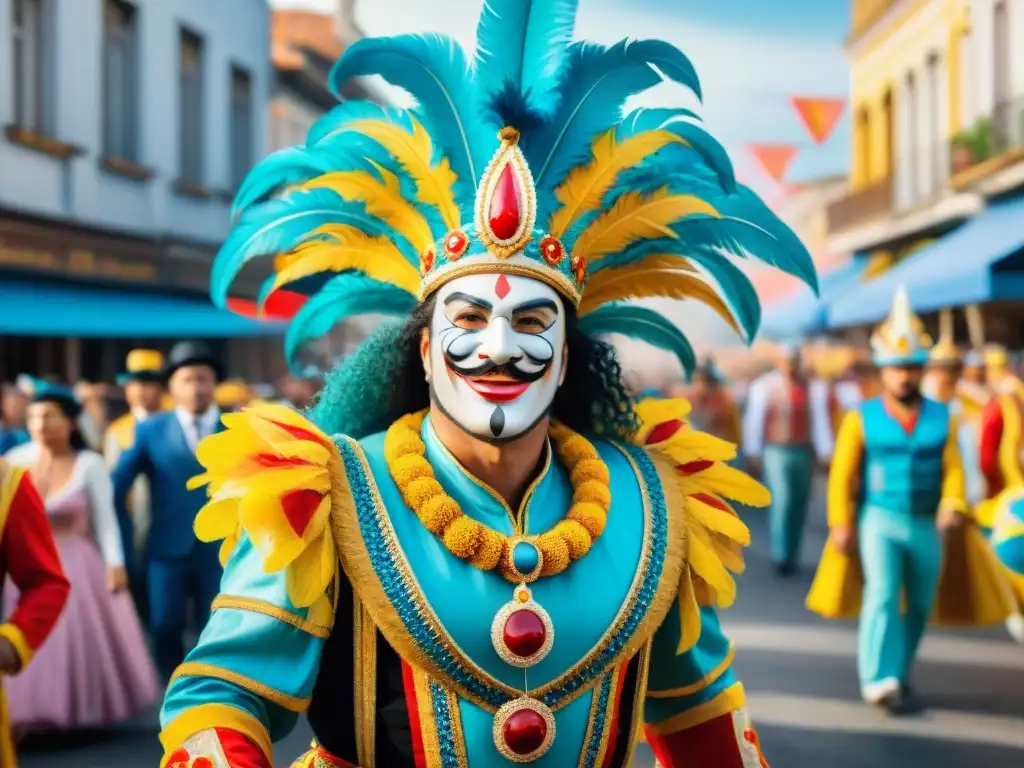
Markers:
<point>723,480</point>
<point>376,257</point>
<point>414,151</point>
<point>586,185</point>
<point>645,280</point>
<point>636,216</point>
<point>383,200</point>
<point>689,614</point>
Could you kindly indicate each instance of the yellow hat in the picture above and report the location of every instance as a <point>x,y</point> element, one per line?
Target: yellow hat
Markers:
<point>142,365</point>
<point>901,339</point>
<point>233,393</point>
<point>944,353</point>
<point>995,355</point>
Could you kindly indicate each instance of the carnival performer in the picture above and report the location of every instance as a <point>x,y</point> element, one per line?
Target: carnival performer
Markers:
<point>233,395</point>
<point>177,567</point>
<point>941,383</point>
<point>28,556</point>
<point>713,408</point>
<point>492,556</point>
<point>896,488</point>
<point>95,668</point>
<point>1002,438</point>
<point>142,383</point>
<point>787,426</point>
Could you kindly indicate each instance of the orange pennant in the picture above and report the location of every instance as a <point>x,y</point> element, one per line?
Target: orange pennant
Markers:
<point>819,116</point>
<point>774,158</point>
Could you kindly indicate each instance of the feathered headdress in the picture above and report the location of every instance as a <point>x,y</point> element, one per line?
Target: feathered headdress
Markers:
<point>520,161</point>
<point>901,339</point>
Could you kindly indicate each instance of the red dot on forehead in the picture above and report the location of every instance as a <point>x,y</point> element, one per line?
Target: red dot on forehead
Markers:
<point>501,287</point>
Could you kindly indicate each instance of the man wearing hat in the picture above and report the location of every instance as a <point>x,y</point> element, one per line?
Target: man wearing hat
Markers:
<point>896,488</point>
<point>142,383</point>
<point>177,566</point>
<point>787,424</point>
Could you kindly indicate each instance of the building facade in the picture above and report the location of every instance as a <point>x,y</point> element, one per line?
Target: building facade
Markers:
<point>937,98</point>
<point>127,125</point>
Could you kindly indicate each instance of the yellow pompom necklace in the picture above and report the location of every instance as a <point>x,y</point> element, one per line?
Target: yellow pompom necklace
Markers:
<point>520,559</point>
<point>522,632</point>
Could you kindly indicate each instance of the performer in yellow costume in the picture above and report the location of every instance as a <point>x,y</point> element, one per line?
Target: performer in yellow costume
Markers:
<point>896,499</point>
<point>477,550</point>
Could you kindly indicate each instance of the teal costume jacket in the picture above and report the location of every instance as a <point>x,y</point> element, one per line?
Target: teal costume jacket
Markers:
<point>407,646</point>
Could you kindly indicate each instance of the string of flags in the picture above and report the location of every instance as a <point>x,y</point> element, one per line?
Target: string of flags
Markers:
<point>819,117</point>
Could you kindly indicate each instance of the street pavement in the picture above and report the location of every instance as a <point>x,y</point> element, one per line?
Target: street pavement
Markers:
<point>801,685</point>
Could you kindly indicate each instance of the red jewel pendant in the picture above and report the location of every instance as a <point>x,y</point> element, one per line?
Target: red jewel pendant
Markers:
<point>505,215</point>
<point>522,633</point>
<point>523,730</point>
<point>506,203</point>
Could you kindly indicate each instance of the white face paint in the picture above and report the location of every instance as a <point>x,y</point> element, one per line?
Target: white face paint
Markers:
<point>496,353</point>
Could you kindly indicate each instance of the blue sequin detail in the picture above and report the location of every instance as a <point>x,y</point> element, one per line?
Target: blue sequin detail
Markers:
<point>399,593</point>
<point>525,557</point>
<point>593,746</point>
<point>648,587</point>
<point>443,720</point>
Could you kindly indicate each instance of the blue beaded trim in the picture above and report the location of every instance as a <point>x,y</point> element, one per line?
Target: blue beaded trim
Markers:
<point>593,745</point>
<point>444,722</point>
<point>399,590</point>
<point>649,583</point>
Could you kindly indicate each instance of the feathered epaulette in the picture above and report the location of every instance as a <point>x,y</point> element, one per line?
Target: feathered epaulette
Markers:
<point>715,535</point>
<point>272,475</point>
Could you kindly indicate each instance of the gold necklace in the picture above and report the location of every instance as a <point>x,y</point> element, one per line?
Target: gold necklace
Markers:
<point>522,558</point>
<point>521,632</point>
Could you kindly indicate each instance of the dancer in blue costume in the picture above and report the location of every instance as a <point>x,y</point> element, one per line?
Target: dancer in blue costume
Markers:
<point>896,488</point>
<point>476,549</point>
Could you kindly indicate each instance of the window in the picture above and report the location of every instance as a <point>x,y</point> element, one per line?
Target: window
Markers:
<point>241,125</point>
<point>933,130</point>
<point>29,29</point>
<point>120,116</point>
<point>1001,52</point>
<point>913,137</point>
<point>190,108</point>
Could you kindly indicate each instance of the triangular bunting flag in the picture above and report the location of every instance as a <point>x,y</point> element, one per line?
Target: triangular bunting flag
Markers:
<point>774,158</point>
<point>819,116</point>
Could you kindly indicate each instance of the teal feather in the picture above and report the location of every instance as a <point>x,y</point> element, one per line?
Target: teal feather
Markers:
<point>347,295</point>
<point>523,44</point>
<point>434,71</point>
<point>292,165</point>
<point>641,324</point>
<point>277,226</point>
<point>670,61</point>
<point>596,84</point>
<point>687,126</point>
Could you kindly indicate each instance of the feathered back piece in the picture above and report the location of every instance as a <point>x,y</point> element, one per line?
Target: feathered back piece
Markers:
<point>521,161</point>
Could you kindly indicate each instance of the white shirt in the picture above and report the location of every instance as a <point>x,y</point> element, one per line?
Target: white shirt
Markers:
<point>207,424</point>
<point>758,399</point>
<point>89,471</point>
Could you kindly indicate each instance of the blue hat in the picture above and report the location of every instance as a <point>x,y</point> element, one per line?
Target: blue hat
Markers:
<point>901,339</point>
<point>48,392</point>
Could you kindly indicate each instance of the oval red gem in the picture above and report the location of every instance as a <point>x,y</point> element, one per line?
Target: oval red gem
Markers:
<point>525,732</point>
<point>524,633</point>
<point>504,214</point>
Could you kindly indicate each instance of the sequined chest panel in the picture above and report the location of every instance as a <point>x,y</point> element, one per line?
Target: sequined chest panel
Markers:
<point>439,612</point>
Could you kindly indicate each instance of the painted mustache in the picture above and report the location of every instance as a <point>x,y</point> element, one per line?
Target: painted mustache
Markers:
<point>489,366</point>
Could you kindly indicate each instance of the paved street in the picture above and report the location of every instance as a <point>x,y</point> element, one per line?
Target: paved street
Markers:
<point>799,674</point>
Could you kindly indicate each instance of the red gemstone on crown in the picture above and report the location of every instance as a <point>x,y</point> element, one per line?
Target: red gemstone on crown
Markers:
<point>524,633</point>
<point>525,732</point>
<point>455,245</point>
<point>504,213</point>
<point>551,250</point>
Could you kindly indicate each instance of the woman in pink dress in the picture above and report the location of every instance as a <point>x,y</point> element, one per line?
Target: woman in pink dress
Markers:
<point>94,669</point>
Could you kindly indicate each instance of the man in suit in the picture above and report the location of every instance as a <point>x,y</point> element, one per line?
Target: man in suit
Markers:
<point>177,566</point>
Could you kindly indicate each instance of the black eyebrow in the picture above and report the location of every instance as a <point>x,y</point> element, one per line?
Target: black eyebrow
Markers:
<point>537,304</point>
<point>474,300</point>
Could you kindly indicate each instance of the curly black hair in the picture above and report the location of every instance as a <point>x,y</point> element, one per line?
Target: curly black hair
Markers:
<point>384,380</point>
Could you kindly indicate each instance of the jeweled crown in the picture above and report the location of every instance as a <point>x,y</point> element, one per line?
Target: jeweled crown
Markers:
<point>503,236</point>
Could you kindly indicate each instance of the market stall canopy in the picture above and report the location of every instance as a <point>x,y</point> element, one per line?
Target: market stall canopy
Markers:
<point>970,265</point>
<point>42,308</point>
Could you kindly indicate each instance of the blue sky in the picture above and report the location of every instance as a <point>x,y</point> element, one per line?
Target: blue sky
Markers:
<point>752,55</point>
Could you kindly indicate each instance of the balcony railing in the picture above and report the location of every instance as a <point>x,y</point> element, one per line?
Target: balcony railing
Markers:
<point>862,206</point>
<point>989,138</point>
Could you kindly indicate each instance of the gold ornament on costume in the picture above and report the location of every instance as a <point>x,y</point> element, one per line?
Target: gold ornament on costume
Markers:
<point>506,203</point>
<point>482,546</point>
